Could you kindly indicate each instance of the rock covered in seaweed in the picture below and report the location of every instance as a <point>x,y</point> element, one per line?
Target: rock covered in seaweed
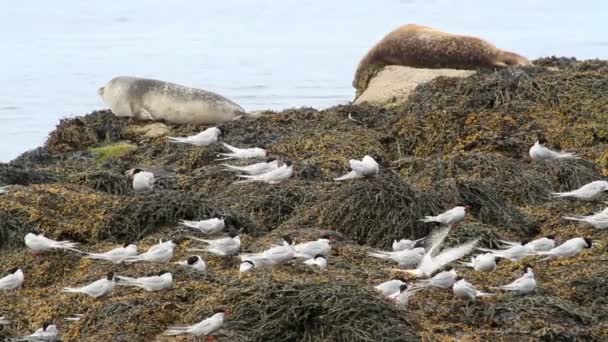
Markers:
<point>454,140</point>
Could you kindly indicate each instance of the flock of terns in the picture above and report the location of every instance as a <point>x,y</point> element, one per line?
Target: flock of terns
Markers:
<point>423,263</point>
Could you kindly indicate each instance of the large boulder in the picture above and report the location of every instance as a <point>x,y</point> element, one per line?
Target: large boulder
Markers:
<point>393,84</point>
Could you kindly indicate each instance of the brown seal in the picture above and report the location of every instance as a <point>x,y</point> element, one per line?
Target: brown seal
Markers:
<point>425,47</point>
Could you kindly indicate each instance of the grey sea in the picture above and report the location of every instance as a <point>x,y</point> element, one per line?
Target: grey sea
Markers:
<point>260,53</point>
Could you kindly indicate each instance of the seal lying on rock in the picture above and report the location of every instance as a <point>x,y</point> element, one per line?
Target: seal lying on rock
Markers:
<point>425,47</point>
<point>155,100</point>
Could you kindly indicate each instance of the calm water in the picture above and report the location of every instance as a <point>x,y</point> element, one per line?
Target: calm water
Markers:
<point>260,53</point>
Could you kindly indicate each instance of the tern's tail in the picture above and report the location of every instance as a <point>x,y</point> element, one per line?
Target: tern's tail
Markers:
<point>379,255</point>
<point>350,175</point>
<point>191,224</point>
<point>509,243</point>
<point>575,218</point>
<point>429,219</point>
<point>122,280</point>
<point>233,168</point>
<point>71,289</point>
<point>175,330</point>
<point>483,294</point>
<point>230,148</point>
<point>226,156</point>
<point>419,286</point>
<point>178,140</point>
<point>200,240</point>
<point>97,256</point>
<point>67,245</point>
<point>468,264</point>
<point>250,179</point>
<point>562,194</point>
<point>567,155</point>
<point>505,288</point>
<point>132,259</point>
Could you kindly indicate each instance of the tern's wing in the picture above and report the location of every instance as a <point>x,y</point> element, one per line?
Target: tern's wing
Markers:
<point>231,148</point>
<point>435,239</point>
<point>358,166</point>
<point>430,265</point>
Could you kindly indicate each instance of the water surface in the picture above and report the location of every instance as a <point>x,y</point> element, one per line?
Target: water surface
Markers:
<point>262,53</point>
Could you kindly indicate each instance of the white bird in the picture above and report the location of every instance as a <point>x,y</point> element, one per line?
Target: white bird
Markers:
<point>4,189</point>
<point>319,260</point>
<point>255,169</point>
<point>243,153</point>
<point>13,280</point>
<point>433,260</point>
<point>195,262</point>
<point>485,262</point>
<point>366,167</point>
<point>4,320</point>
<point>161,252</point>
<point>311,249</point>
<point>248,265</point>
<point>567,249</point>
<point>96,289</point>
<point>597,220</point>
<point>164,280</point>
<point>448,218</point>
<point>441,280</point>
<point>142,180</point>
<point>206,327</point>
<point>465,291</point>
<point>274,255</point>
<point>588,192</point>
<point>514,253</point>
<point>207,227</point>
<point>117,255</point>
<point>224,246</point>
<point>205,138</point>
<point>541,244</point>
<point>47,333</point>
<point>405,244</point>
<point>40,243</point>
<point>523,285</point>
<point>402,297</point>
<point>390,287</point>
<point>275,176</point>
<point>539,152</point>
<point>404,258</point>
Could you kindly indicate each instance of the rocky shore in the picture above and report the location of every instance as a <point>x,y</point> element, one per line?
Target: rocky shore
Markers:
<point>453,141</point>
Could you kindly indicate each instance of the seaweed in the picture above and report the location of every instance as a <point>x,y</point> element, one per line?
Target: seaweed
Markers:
<point>456,141</point>
<point>314,312</point>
